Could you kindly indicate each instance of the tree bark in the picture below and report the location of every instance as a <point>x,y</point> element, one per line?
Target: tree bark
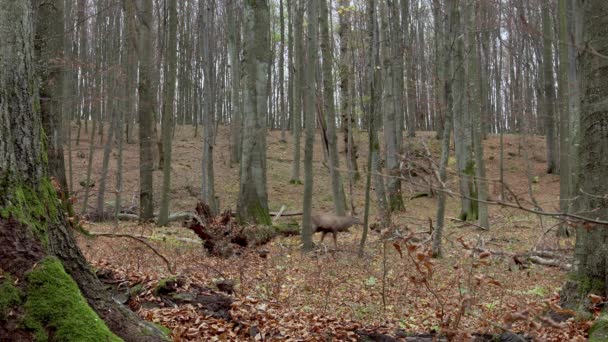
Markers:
<point>298,88</point>
<point>209,99</point>
<point>168,110</point>
<point>549,91</point>
<point>451,49</point>
<point>346,75</point>
<point>590,267</point>
<point>253,198</point>
<point>146,113</point>
<point>330,111</point>
<point>309,120</point>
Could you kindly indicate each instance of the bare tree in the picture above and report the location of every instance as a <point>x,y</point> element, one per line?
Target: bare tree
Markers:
<point>253,197</point>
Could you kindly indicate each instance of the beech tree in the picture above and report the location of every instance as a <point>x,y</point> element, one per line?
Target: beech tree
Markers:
<point>59,291</point>
<point>590,267</point>
<point>309,120</point>
<point>253,198</point>
<point>146,112</point>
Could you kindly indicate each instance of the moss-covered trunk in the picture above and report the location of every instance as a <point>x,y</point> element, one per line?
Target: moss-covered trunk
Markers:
<point>57,295</point>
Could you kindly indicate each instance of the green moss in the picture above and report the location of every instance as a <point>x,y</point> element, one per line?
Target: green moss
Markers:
<point>136,290</point>
<point>55,304</point>
<point>288,228</point>
<point>165,285</point>
<point>163,328</point>
<point>587,285</point>
<point>9,296</point>
<point>599,329</point>
<point>34,208</point>
<point>258,214</point>
<point>259,235</point>
<point>296,182</point>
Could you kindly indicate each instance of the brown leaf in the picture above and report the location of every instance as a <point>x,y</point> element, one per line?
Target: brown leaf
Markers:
<point>398,248</point>
<point>484,254</point>
<point>595,298</point>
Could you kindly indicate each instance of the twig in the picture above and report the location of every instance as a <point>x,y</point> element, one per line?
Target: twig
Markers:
<point>496,325</point>
<point>140,240</point>
<point>467,223</point>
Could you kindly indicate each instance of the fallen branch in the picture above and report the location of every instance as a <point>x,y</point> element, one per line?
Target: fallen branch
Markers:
<point>466,223</point>
<point>172,217</point>
<point>140,240</point>
<point>550,262</point>
<point>293,213</point>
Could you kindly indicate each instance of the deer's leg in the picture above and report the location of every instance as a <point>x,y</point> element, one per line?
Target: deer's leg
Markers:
<point>335,239</point>
<point>323,236</point>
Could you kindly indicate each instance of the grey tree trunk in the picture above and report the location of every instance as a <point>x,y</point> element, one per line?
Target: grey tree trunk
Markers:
<point>410,65</point>
<point>146,113</point>
<point>330,111</point>
<point>131,69</point>
<point>298,88</point>
<point>168,110</point>
<point>49,47</point>
<point>439,67</point>
<point>253,199</point>
<point>463,134</point>
<point>309,120</point>
<point>46,242</point>
<point>281,66</point>
<point>391,100</point>
<point>562,98</point>
<point>375,89</point>
<point>549,91</point>
<point>372,69</point>
<point>476,106</point>
<point>234,48</point>
<point>209,98</point>
<point>590,267</point>
<point>347,74</point>
<point>82,56</point>
<point>452,52</point>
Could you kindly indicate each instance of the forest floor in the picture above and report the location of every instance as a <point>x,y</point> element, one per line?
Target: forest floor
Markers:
<point>332,293</point>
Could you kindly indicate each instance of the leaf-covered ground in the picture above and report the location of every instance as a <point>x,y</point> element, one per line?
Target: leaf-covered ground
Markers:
<point>395,288</point>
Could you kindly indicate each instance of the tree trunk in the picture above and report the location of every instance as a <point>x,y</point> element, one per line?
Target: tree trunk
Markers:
<point>392,98</point>
<point>168,110</point>
<point>49,48</point>
<point>375,94</point>
<point>476,106</point>
<point>309,121</point>
<point>549,93</point>
<point>463,130</point>
<point>590,267</point>
<point>209,97</point>
<point>452,24</point>
<point>146,113</point>
<point>234,48</point>
<point>330,112</point>
<point>253,198</point>
<point>298,88</point>
<point>346,74</point>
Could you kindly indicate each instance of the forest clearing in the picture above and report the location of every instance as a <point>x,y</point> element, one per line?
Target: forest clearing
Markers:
<point>303,170</point>
<point>333,293</point>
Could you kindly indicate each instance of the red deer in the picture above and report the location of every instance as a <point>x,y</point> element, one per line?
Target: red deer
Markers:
<point>329,223</point>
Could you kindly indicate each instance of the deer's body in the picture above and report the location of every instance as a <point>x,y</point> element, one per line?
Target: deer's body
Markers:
<point>329,223</point>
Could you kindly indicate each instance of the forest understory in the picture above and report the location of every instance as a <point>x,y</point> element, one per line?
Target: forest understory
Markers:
<point>504,280</point>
